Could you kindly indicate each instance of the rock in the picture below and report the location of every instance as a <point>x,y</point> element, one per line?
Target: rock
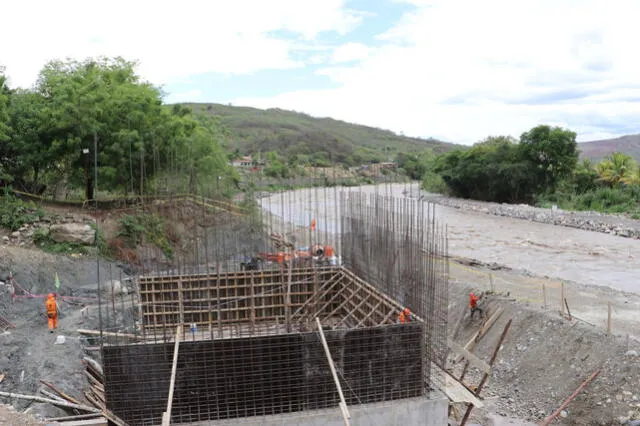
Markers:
<point>72,233</point>
<point>563,414</point>
<point>15,234</point>
<point>116,286</point>
<point>5,238</point>
<point>60,340</point>
<point>631,353</point>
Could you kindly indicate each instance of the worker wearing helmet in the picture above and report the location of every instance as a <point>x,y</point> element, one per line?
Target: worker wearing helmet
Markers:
<point>473,304</point>
<point>404,316</point>
<point>52,311</point>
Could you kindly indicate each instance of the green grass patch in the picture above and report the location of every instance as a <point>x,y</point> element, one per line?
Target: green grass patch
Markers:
<point>15,212</point>
<point>625,199</point>
<point>147,228</point>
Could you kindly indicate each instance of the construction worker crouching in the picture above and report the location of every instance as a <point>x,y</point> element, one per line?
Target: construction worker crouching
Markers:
<point>52,311</point>
<point>473,304</point>
<point>404,316</point>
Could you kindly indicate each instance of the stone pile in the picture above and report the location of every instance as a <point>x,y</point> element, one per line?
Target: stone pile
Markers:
<point>590,221</point>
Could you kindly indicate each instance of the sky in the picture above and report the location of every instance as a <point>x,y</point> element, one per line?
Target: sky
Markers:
<point>455,70</point>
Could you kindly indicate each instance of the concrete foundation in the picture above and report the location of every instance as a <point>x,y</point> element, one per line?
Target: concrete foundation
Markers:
<point>431,410</point>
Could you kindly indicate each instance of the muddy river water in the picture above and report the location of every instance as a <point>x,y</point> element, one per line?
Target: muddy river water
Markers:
<point>585,257</point>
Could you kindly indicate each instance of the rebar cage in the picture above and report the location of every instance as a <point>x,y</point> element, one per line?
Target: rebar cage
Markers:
<point>248,343</point>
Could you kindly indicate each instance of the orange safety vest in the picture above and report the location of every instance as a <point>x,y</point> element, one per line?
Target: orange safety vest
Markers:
<point>473,300</point>
<point>52,307</point>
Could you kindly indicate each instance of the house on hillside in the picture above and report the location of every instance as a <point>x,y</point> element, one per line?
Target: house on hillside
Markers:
<point>247,162</point>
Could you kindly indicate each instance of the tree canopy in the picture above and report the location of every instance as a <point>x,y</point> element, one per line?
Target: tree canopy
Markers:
<point>99,110</point>
<point>503,170</point>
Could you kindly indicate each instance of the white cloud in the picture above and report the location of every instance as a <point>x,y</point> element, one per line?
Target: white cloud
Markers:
<point>193,95</point>
<point>468,69</point>
<point>170,39</point>
<point>350,52</point>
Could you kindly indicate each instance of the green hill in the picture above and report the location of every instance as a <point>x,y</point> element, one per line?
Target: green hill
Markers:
<point>319,139</point>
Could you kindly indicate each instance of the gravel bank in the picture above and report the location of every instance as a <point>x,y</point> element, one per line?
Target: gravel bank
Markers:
<point>588,221</point>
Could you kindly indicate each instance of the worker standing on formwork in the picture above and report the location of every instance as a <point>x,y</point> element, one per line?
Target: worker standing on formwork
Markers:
<point>52,311</point>
<point>404,316</point>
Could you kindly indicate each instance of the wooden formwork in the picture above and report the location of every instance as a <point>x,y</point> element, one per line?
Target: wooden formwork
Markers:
<point>253,301</point>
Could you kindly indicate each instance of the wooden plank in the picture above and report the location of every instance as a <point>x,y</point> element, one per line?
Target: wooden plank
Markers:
<point>473,360</point>
<point>180,302</point>
<point>76,417</point>
<point>326,291</point>
<point>344,302</point>
<point>343,403</point>
<point>50,401</point>
<point>100,421</point>
<point>458,393</point>
<point>166,416</point>
<point>62,394</point>
<point>485,377</point>
<point>484,328</point>
<point>107,333</point>
<point>366,317</point>
<point>566,402</point>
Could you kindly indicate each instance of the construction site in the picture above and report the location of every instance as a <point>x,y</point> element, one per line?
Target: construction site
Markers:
<point>323,306</point>
<point>272,318</point>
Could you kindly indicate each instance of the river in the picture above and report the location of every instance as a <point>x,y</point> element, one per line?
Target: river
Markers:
<point>558,252</point>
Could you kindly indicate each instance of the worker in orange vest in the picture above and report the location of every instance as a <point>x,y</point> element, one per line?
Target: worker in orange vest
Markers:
<point>404,316</point>
<point>473,304</point>
<point>52,311</point>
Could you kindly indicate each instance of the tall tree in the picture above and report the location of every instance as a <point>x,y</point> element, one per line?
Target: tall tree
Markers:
<point>552,154</point>
<point>4,103</point>
<point>30,137</point>
<point>4,128</point>
<point>103,112</point>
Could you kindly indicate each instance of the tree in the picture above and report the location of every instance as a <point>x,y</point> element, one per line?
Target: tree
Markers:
<point>4,103</point>
<point>616,169</point>
<point>411,164</point>
<point>31,132</point>
<point>552,154</point>
<point>490,170</point>
<point>100,103</point>
<point>584,177</point>
<point>4,128</point>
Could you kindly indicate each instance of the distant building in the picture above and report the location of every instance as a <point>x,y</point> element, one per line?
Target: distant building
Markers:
<point>388,165</point>
<point>247,162</point>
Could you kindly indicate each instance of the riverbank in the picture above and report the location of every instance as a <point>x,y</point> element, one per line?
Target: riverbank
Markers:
<point>618,225</point>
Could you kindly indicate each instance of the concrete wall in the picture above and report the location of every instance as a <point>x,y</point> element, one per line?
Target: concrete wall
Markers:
<point>424,411</point>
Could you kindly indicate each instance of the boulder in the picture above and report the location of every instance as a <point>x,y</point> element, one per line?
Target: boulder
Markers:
<point>116,286</point>
<point>79,233</point>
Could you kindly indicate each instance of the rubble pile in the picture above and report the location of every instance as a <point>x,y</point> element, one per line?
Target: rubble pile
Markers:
<point>619,225</point>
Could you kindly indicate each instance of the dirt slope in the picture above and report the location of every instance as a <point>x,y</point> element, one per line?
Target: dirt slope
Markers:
<point>544,359</point>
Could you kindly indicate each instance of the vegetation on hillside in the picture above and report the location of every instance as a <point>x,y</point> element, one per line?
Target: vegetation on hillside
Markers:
<point>301,138</point>
<point>49,134</point>
<point>542,167</point>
